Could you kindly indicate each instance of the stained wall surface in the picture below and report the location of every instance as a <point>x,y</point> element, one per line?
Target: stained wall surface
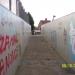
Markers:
<point>14,35</point>
<point>60,34</point>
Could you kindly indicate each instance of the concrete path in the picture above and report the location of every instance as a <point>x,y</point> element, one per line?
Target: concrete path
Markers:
<point>40,59</point>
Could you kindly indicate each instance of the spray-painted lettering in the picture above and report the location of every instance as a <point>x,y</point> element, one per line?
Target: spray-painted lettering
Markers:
<point>5,41</point>
<point>6,62</point>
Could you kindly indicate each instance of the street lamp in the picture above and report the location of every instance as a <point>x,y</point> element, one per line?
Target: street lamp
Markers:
<point>53,18</point>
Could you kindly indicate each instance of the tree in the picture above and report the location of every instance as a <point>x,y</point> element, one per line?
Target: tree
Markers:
<point>31,22</point>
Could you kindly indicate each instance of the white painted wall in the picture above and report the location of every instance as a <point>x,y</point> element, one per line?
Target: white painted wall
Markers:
<point>14,35</point>
<point>61,35</point>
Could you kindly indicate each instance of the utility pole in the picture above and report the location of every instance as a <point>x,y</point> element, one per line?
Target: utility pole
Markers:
<point>18,7</point>
<point>10,5</point>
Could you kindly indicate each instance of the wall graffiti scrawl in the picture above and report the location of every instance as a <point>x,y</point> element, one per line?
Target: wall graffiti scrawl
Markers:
<point>13,34</point>
<point>8,41</point>
<point>72,36</point>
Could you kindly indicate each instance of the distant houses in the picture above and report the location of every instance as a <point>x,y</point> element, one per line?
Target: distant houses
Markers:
<point>42,22</point>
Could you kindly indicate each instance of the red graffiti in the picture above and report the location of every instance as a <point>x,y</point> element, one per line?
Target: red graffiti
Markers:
<point>1,66</point>
<point>13,40</point>
<point>7,62</point>
<point>5,41</point>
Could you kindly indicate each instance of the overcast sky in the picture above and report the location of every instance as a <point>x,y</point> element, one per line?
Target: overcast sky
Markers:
<point>41,9</point>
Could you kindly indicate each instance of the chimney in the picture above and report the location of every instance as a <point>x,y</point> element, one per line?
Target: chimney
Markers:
<point>45,19</point>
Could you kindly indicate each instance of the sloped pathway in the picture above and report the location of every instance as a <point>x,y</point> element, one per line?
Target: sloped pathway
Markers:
<point>40,59</point>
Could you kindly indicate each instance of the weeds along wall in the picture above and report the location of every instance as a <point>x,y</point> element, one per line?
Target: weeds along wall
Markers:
<point>60,34</point>
<point>14,35</point>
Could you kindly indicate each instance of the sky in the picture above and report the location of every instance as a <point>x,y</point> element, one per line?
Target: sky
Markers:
<point>41,9</point>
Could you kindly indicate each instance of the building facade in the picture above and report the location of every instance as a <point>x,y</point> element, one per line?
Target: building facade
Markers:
<point>9,4</point>
<point>16,7</point>
<point>42,22</point>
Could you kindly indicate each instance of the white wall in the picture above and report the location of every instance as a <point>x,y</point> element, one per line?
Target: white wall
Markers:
<point>14,35</point>
<point>61,35</point>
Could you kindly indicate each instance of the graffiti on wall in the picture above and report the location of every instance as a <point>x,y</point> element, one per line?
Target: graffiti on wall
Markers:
<point>72,36</point>
<point>12,44</point>
<point>7,43</point>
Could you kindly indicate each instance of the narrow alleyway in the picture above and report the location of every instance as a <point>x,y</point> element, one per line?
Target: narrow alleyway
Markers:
<point>40,59</point>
